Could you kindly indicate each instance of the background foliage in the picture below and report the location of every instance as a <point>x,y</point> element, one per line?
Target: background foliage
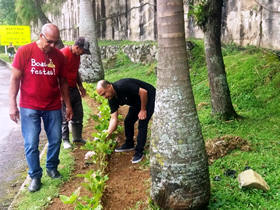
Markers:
<point>7,12</point>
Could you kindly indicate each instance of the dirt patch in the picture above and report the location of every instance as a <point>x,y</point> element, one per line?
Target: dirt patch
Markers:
<point>217,148</point>
<point>128,183</point>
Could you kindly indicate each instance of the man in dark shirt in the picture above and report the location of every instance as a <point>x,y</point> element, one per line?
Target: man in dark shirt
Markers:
<point>11,51</point>
<point>140,96</point>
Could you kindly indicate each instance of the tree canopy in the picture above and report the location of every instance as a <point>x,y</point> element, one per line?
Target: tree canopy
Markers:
<point>7,12</point>
<point>33,10</point>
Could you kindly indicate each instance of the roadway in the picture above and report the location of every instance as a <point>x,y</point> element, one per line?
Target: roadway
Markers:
<point>12,160</point>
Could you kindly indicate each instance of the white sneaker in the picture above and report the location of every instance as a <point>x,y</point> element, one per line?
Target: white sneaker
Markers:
<point>67,145</point>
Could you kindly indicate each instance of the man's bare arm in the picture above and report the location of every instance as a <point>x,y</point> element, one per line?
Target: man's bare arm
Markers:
<point>66,98</point>
<point>144,100</point>
<point>15,79</point>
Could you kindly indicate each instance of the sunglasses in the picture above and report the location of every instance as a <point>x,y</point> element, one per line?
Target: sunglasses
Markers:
<point>49,41</point>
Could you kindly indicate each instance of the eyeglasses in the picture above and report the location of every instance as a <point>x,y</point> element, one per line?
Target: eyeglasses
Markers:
<point>49,41</point>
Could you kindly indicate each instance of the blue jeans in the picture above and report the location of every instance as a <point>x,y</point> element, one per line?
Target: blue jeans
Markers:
<point>31,128</point>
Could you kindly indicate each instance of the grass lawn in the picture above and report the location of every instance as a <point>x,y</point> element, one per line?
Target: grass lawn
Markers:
<point>4,57</point>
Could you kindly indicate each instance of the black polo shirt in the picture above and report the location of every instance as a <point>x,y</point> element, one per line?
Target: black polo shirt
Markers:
<point>127,92</point>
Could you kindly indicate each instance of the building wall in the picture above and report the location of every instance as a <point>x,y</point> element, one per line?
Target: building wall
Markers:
<point>250,22</point>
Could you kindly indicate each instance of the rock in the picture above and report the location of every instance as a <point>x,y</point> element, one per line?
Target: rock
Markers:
<point>217,178</point>
<point>89,155</point>
<point>14,185</point>
<point>247,168</point>
<point>143,53</point>
<point>230,172</point>
<point>252,179</point>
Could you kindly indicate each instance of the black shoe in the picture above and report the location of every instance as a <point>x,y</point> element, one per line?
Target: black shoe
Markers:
<point>125,148</point>
<point>137,157</point>
<point>53,173</point>
<point>81,141</point>
<point>35,185</point>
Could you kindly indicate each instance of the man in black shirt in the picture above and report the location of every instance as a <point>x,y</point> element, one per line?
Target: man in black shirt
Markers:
<point>140,96</point>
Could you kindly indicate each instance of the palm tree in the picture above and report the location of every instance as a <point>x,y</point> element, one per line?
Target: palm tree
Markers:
<point>91,68</point>
<point>179,167</point>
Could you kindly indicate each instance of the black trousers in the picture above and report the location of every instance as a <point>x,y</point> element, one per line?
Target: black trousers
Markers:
<point>131,118</point>
<point>78,114</point>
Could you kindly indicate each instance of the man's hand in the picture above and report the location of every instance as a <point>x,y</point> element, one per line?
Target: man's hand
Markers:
<point>14,113</point>
<point>108,135</point>
<point>69,113</point>
<point>142,114</point>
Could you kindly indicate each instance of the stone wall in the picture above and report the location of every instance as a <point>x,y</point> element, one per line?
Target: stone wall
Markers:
<point>250,22</point>
<point>253,22</point>
<point>125,19</point>
<point>116,20</point>
<point>143,53</point>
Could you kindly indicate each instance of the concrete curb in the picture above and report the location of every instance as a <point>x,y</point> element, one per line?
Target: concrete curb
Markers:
<point>26,181</point>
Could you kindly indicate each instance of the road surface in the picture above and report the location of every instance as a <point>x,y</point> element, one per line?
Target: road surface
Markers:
<point>12,160</point>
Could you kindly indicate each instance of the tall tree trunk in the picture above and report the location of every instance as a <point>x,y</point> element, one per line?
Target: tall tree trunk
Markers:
<point>91,68</point>
<point>179,166</point>
<point>220,94</point>
<point>41,15</point>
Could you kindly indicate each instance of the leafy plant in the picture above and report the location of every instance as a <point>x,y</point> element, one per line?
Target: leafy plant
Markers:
<point>198,10</point>
<point>95,184</point>
<point>102,146</point>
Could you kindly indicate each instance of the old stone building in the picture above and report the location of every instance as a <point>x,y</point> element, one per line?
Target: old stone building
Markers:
<point>250,22</point>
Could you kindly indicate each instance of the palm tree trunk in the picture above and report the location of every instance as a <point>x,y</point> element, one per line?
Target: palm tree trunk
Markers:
<point>179,167</point>
<point>91,68</point>
<point>220,94</point>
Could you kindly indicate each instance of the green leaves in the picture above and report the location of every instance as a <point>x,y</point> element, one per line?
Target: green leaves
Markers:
<point>26,11</point>
<point>199,11</point>
<point>72,198</point>
<point>7,12</point>
<point>102,146</point>
<point>30,10</point>
<point>95,184</point>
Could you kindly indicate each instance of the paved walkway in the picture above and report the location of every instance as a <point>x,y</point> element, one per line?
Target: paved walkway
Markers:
<point>12,160</point>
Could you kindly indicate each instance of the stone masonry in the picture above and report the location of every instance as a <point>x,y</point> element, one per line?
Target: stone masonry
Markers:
<point>250,22</point>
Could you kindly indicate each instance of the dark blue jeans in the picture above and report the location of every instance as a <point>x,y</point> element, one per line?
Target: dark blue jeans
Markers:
<point>31,128</point>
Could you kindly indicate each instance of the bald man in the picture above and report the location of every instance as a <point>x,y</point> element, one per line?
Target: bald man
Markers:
<point>140,96</point>
<point>38,72</point>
